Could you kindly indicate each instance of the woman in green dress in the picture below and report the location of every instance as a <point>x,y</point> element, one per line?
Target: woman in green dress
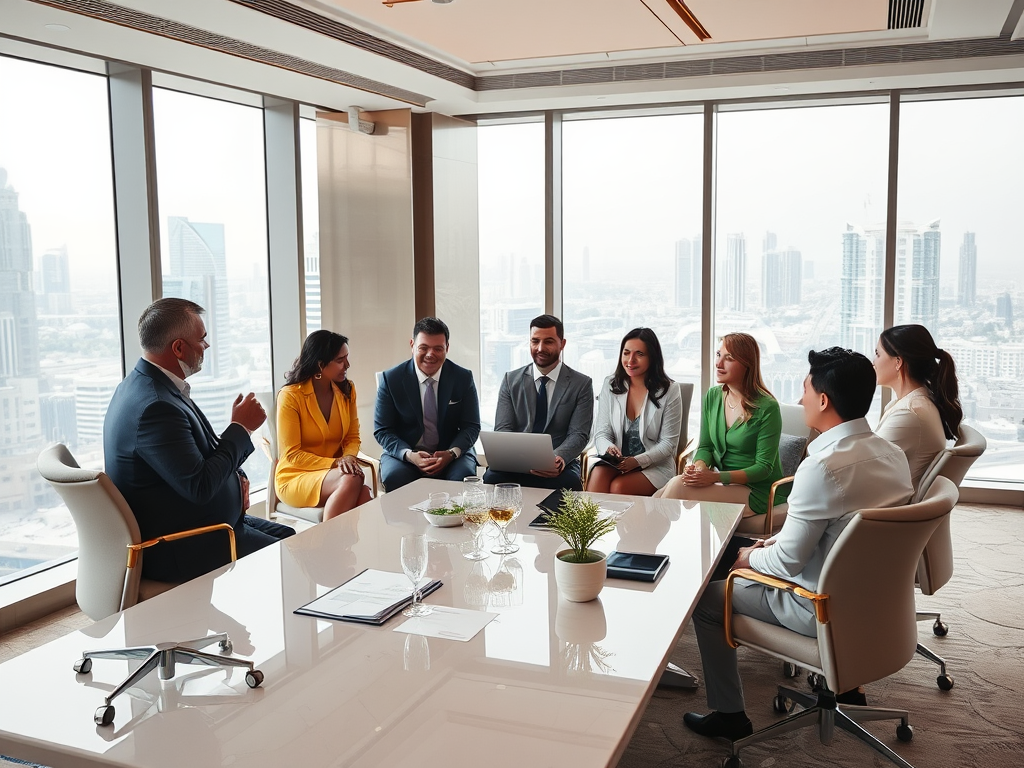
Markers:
<point>737,459</point>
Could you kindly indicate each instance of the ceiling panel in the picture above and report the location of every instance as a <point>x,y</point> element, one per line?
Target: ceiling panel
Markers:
<point>739,20</point>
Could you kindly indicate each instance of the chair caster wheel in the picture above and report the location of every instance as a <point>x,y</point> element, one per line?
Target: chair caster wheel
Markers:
<point>226,646</point>
<point>816,681</point>
<point>790,670</point>
<point>945,682</point>
<point>83,666</point>
<point>905,732</point>
<point>732,761</point>
<point>254,679</point>
<point>780,704</point>
<point>104,715</point>
<point>940,629</point>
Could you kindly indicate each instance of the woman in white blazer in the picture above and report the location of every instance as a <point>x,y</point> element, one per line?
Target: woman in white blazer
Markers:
<point>927,408</point>
<point>639,415</point>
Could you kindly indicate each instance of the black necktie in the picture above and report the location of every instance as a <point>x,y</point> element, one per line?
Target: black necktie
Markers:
<point>541,411</point>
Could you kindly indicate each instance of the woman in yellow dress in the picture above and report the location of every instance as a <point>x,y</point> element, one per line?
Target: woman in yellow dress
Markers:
<point>318,430</point>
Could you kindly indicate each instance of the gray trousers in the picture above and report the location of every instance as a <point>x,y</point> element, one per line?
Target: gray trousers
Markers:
<point>721,671</point>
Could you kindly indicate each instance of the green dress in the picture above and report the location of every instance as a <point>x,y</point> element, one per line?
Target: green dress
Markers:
<point>751,446</point>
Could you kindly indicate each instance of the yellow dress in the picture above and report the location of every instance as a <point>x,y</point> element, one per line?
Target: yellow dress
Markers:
<point>307,445</point>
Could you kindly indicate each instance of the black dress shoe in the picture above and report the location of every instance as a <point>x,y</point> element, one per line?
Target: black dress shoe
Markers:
<point>732,725</point>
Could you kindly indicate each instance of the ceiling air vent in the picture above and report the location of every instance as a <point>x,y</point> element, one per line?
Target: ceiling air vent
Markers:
<point>905,14</point>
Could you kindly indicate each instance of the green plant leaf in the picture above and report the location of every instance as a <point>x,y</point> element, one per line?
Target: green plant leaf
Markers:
<point>578,521</point>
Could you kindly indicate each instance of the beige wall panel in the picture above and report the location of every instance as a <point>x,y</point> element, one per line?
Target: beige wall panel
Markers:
<point>456,237</point>
<point>366,248</point>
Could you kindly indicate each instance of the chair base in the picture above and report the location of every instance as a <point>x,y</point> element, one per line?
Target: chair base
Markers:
<point>163,657</point>
<point>677,678</point>
<point>822,711</point>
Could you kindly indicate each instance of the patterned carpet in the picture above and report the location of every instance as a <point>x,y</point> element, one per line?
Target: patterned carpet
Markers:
<point>977,723</point>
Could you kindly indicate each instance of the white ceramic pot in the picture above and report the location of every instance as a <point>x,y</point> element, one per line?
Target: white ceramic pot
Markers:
<point>580,582</point>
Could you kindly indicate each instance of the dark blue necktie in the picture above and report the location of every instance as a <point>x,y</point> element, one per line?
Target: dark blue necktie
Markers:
<point>540,418</point>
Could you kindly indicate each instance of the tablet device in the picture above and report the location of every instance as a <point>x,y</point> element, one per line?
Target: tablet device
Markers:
<point>636,566</point>
<point>518,451</point>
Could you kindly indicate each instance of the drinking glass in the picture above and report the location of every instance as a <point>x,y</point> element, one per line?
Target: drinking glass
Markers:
<point>475,517</point>
<point>438,500</point>
<point>472,480</point>
<point>505,506</point>
<point>414,563</point>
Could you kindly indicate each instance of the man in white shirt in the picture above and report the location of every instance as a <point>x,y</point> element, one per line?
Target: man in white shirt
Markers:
<point>848,468</point>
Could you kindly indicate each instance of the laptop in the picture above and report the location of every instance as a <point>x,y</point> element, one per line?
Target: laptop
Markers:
<point>518,451</point>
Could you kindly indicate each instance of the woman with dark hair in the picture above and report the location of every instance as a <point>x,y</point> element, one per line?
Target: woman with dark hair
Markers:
<point>318,430</point>
<point>737,459</point>
<point>927,409</point>
<point>639,415</point>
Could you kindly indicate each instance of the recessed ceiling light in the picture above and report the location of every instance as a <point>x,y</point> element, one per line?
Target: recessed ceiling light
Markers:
<point>57,27</point>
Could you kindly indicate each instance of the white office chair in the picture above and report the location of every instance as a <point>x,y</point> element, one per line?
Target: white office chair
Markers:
<point>269,443</point>
<point>110,551</point>
<point>866,629</point>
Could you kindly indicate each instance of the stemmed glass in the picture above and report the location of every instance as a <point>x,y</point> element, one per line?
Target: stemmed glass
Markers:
<point>475,517</point>
<point>414,563</point>
<point>505,507</point>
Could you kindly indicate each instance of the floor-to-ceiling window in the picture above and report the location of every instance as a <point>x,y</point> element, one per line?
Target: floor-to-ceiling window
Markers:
<point>213,231</point>
<point>632,240</point>
<point>511,195</point>
<point>60,346</point>
<point>800,231</point>
<point>960,271</point>
<point>310,223</point>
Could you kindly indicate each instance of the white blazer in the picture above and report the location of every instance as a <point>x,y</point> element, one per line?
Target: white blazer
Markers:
<point>659,430</point>
<point>914,424</point>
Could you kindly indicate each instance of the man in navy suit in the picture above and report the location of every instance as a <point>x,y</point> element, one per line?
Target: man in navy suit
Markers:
<point>427,417</point>
<point>162,454</point>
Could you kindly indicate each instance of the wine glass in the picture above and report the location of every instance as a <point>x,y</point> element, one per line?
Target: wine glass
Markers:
<point>475,517</point>
<point>505,506</point>
<point>414,563</point>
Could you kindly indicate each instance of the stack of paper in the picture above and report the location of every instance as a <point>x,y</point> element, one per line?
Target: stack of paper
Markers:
<point>372,597</point>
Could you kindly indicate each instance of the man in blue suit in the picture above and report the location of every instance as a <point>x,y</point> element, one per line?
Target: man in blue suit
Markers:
<point>162,454</point>
<point>427,417</point>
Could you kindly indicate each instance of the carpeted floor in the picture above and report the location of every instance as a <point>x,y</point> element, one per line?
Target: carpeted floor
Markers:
<point>978,723</point>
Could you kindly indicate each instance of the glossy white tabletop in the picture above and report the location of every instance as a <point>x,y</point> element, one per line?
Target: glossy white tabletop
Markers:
<point>546,683</point>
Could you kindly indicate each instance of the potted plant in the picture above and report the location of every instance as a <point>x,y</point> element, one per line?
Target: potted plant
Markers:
<point>579,570</point>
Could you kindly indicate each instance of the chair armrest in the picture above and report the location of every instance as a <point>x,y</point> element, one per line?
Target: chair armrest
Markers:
<point>585,463</point>
<point>687,452</point>
<point>820,601</point>
<point>366,461</point>
<point>134,549</point>
<point>771,502</point>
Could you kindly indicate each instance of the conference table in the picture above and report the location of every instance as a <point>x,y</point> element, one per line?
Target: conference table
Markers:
<point>546,683</point>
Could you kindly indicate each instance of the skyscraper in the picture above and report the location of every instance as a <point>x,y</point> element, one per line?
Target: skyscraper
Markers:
<point>687,272</point>
<point>56,281</point>
<point>781,277</point>
<point>730,293</point>
<point>918,253</point>
<point>312,283</point>
<point>967,291</point>
<point>861,289</point>
<point>199,273</point>
<point>1004,309</point>
<point>20,340</point>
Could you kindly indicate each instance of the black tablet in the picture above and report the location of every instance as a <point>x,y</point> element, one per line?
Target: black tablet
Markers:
<point>636,566</point>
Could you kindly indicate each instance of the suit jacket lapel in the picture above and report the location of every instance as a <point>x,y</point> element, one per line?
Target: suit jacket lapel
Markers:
<point>444,394</point>
<point>309,398</point>
<point>411,384</point>
<point>563,383</point>
<point>530,395</point>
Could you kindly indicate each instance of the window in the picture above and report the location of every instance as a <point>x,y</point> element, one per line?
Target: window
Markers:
<point>631,247</point>
<point>511,194</point>
<point>959,270</point>
<point>212,200</point>
<point>60,347</point>
<point>801,233</point>
<point>310,222</point>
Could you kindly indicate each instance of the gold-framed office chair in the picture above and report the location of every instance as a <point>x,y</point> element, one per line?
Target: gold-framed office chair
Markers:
<point>866,629</point>
<point>269,444</point>
<point>110,552</point>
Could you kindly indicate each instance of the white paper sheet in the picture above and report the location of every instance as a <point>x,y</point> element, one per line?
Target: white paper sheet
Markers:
<point>423,506</point>
<point>448,623</point>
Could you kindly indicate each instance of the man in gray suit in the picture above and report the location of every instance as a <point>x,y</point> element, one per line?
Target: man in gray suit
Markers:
<point>550,397</point>
<point>848,468</point>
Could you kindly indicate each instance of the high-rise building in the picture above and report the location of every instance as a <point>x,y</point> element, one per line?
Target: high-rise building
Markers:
<point>918,253</point>
<point>20,343</point>
<point>1004,309</point>
<point>312,284</point>
<point>861,289</point>
<point>56,281</point>
<point>781,276</point>
<point>967,284</point>
<point>687,272</point>
<point>199,273</point>
<point>730,292</point>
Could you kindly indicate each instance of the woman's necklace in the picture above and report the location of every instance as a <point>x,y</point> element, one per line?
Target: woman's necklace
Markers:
<point>731,406</point>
